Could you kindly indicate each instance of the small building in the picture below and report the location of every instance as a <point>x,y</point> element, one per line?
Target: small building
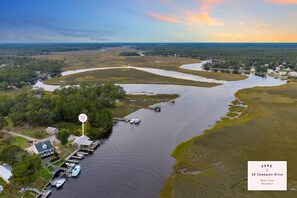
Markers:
<point>288,69</point>
<point>82,141</point>
<point>282,73</point>
<point>51,130</point>
<point>270,72</point>
<point>5,172</point>
<point>253,69</point>
<point>293,74</point>
<point>44,148</point>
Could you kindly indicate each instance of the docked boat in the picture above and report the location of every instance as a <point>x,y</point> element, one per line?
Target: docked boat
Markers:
<point>76,171</point>
<point>60,182</point>
<point>132,121</point>
<point>70,164</point>
<point>137,121</point>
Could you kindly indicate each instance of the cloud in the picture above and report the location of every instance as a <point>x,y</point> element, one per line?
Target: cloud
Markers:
<point>282,1</point>
<point>161,17</point>
<point>205,18</point>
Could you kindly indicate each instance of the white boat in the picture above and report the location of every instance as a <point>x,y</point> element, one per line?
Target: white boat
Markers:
<point>137,121</point>
<point>70,164</point>
<point>132,121</point>
<point>60,182</point>
<point>76,171</point>
<point>80,154</point>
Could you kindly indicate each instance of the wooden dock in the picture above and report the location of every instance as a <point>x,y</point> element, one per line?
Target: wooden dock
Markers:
<point>45,193</point>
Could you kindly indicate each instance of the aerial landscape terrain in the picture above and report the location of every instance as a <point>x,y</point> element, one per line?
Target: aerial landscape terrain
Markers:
<point>157,100</point>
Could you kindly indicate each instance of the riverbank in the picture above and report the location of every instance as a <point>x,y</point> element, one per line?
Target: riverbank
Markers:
<point>265,131</point>
<point>132,103</point>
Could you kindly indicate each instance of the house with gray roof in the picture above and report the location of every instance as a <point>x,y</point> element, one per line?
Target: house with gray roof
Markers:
<point>44,148</point>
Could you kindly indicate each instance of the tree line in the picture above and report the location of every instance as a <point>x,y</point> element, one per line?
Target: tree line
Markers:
<point>40,108</point>
<point>21,71</point>
<point>231,56</point>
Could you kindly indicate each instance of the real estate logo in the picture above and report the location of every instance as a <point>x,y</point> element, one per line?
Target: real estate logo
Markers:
<point>267,175</point>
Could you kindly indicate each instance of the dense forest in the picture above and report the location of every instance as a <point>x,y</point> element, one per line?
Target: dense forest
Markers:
<point>231,55</point>
<point>22,71</point>
<point>39,108</point>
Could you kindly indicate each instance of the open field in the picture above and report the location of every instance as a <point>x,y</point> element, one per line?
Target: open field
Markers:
<point>109,57</point>
<point>124,76</point>
<point>132,103</point>
<point>216,162</point>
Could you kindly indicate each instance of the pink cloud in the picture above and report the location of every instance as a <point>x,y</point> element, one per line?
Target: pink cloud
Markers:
<point>160,17</point>
<point>205,18</point>
<point>282,1</point>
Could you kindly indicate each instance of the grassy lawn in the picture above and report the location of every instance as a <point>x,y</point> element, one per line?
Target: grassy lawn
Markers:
<point>134,102</point>
<point>21,142</point>
<point>266,130</point>
<point>35,132</point>
<point>125,76</point>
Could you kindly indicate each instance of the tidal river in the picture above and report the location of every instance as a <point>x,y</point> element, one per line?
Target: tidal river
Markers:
<point>135,161</point>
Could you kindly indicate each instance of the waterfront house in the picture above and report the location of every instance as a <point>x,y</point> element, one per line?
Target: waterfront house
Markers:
<point>270,72</point>
<point>44,148</point>
<point>293,74</point>
<point>282,73</point>
<point>5,172</point>
<point>253,69</point>
<point>51,130</point>
<point>82,142</point>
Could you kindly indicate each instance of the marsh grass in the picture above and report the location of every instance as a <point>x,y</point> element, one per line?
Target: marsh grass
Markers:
<point>267,131</point>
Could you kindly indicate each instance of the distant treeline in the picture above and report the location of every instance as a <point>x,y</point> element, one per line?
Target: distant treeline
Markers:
<point>21,71</point>
<point>129,54</point>
<point>45,48</point>
<point>230,55</point>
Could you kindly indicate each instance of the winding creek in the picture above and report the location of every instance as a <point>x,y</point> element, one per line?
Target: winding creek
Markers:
<point>136,160</point>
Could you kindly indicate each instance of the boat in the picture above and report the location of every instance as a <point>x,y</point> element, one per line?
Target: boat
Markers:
<point>80,154</point>
<point>76,171</point>
<point>137,121</point>
<point>132,121</point>
<point>60,182</point>
<point>70,164</point>
<point>157,108</point>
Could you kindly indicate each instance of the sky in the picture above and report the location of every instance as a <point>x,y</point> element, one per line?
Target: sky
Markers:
<point>26,21</point>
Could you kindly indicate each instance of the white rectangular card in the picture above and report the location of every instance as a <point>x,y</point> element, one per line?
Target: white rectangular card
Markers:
<point>267,175</point>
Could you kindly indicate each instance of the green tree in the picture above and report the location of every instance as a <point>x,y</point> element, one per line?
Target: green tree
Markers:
<point>3,122</point>
<point>63,136</point>
<point>26,171</point>
<point>12,154</point>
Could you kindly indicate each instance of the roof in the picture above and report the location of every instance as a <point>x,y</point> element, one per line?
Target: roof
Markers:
<point>83,140</point>
<point>43,146</point>
<point>51,129</point>
<point>5,172</point>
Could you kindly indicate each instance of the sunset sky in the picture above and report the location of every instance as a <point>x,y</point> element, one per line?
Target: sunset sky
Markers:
<point>148,21</point>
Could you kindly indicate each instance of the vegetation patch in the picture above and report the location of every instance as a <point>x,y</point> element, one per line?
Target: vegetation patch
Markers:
<point>124,76</point>
<point>265,131</point>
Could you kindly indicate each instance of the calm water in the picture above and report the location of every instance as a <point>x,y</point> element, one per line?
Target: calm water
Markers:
<point>136,160</point>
